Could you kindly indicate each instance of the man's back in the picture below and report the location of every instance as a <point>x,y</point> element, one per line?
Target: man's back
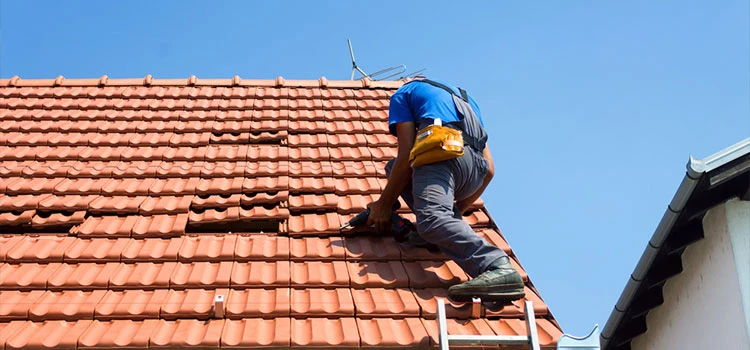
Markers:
<point>419,100</point>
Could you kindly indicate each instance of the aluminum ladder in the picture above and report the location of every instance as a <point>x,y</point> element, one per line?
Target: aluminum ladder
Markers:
<point>445,340</point>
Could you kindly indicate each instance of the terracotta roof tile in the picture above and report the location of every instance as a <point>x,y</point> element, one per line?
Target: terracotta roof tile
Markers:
<point>319,274</point>
<point>191,303</point>
<point>106,226</point>
<point>314,224</point>
<point>117,334</point>
<point>8,242</point>
<point>317,248</point>
<point>56,168</point>
<point>142,275</point>
<point>219,185</point>
<point>322,302</point>
<point>160,225</point>
<point>426,274</point>
<point>261,274</point>
<point>16,218</point>
<point>26,276</point>
<point>116,204</point>
<point>95,249</point>
<point>146,179</point>
<point>127,187</point>
<point>349,185</point>
<point>45,248</point>
<point>130,304</point>
<point>271,302</point>
<point>48,334</point>
<point>389,332</point>
<point>265,184</point>
<point>215,201</point>
<point>324,333</point>
<point>10,329</point>
<point>64,219</point>
<point>16,186</point>
<point>381,302</point>
<point>68,305</point>
<point>320,168</point>
<point>82,276</point>
<point>256,333</point>
<point>374,274</point>
<point>66,202</point>
<point>15,305</point>
<point>371,248</point>
<point>207,248</point>
<point>201,275</point>
<point>188,333</point>
<point>427,299</point>
<point>312,184</point>
<point>151,249</point>
<point>255,198</point>
<point>261,247</point>
<point>327,201</point>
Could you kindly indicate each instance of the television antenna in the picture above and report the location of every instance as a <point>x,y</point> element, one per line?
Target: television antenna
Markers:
<point>391,71</point>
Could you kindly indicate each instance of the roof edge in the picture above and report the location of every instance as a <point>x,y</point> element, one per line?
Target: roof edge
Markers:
<point>235,81</point>
<point>696,169</point>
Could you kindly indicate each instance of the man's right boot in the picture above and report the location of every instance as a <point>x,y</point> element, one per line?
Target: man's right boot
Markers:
<point>500,282</point>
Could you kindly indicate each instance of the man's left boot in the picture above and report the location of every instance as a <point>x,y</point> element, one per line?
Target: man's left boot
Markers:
<point>500,282</point>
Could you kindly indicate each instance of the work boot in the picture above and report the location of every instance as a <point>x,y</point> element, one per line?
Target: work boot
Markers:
<point>500,282</point>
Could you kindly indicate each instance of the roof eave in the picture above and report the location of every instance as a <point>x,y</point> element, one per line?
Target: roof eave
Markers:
<point>696,170</point>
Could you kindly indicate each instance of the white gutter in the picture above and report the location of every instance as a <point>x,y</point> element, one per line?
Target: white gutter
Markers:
<point>696,168</point>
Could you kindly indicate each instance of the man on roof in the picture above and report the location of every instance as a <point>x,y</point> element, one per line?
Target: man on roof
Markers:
<point>440,192</point>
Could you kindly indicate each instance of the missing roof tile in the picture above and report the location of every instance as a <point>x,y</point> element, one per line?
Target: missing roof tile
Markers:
<point>261,226</point>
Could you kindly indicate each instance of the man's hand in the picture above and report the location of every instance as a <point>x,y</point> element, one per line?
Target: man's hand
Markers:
<point>380,217</point>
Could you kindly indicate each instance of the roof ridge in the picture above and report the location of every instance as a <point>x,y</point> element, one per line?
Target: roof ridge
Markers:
<point>236,81</point>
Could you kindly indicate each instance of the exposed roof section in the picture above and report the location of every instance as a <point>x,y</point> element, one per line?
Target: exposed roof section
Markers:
<point>128,205</point>
<point>707,183</point>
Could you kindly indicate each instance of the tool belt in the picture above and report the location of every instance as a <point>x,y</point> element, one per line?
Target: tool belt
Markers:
<point>436,143</point>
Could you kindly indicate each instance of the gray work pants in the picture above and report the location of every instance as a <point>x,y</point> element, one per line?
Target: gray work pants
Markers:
<point>430,196</point>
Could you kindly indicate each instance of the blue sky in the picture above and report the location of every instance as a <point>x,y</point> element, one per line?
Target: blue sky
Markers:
<point>593,107</point>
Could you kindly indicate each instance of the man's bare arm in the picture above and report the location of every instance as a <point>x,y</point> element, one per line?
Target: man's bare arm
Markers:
<point>380,210</point>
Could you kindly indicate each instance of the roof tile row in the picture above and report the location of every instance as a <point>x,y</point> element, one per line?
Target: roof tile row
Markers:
<point>18,186</point>
<point>59,248</point>
<point>253,332</point>
<point>148,275</point>
<point>187,121</point>
<point>71,305</point>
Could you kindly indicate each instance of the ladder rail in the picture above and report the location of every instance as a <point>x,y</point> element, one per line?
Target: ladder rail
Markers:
<point>445,340</point>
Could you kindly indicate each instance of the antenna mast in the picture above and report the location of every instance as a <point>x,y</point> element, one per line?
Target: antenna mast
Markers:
<point>390,70</point>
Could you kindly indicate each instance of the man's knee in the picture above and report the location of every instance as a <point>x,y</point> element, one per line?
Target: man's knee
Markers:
<point>427,224</point>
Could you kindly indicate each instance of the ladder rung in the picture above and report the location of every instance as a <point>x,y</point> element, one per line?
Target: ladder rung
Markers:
<point>444,340</point>
<point>488,340</point>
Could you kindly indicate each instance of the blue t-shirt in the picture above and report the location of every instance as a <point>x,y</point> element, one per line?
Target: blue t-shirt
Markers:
<point>419,100</point>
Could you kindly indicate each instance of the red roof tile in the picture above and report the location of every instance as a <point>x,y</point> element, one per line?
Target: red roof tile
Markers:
<point>321,302</point>
<point>130,304</point>
<point>256,333</point>
<point>270,302</point>
<point>162,195</point>
<point>117,334</point>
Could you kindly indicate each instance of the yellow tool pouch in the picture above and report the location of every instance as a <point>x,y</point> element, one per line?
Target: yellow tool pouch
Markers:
<point>436,143</point>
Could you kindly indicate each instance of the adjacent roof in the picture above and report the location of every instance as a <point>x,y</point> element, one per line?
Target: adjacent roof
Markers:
<point>128,206</point>
<point>707,183</point>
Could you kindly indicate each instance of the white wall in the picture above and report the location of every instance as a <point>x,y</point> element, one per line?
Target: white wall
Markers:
<point>703,305</point>
<point>738,222</point>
